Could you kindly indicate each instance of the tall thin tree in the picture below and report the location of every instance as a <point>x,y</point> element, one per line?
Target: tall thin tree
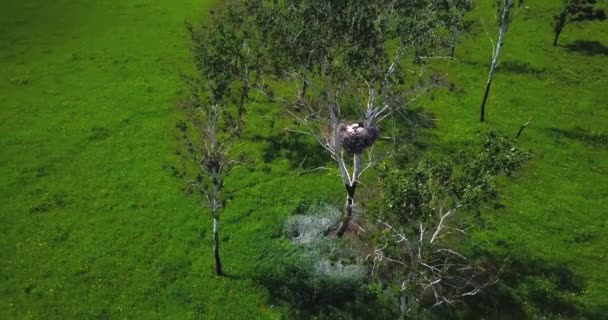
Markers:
<point>215,110</point>
<point>504,21</point>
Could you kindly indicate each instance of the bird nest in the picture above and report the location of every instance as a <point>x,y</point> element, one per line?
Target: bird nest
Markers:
<point>355,138</point>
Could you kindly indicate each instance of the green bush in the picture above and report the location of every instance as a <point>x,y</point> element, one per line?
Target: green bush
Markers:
<point>466,178</point>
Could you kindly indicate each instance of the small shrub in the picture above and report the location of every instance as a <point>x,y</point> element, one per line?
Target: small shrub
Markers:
<point>21,81</point>
<point>99,133</point>
<point>49,202</point>
<point>466,178</point>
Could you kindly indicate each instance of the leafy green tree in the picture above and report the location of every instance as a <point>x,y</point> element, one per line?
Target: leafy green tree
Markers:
<point>417,226</point>
<point>576,11</point>
<point>351,54</point>
<point>452,14</point>
<point>215,108</point>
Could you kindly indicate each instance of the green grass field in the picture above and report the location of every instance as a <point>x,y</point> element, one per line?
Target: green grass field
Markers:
<point>94,224</point>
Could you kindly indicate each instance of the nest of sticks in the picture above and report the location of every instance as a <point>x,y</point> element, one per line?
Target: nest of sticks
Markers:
<point>355,138</point>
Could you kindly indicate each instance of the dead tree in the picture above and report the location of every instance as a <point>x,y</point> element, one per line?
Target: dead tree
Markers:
<point>208,145</point>
<point>428,272</point>
<point>504,21</point>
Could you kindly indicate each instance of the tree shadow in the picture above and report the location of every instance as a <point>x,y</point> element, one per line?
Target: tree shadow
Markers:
<point>589,48</point>
<point>418,118</point>
<point>305,289</point>
<point>233,277</point>
<point>521,67</point>
<point>309,297</point>
<point>530,287</point>
<point>579,134</point>
<point>302,151</point>
<point>409,126</point>
<point>527,289</point>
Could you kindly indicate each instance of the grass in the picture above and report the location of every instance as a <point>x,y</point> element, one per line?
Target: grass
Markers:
<point>94,224</point>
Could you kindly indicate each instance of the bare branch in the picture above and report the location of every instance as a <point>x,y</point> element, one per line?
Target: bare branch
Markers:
<point>441,223</point>
<point>313,170</point>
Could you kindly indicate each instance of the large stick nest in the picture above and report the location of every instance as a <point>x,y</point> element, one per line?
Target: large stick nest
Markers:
<point>355,138</point>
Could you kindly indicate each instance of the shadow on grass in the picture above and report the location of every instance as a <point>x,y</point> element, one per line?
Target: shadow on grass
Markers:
<point>527,289</point>
<point>418,118</point>
<point>532,288</point>
<point>579,134</point>
<point>521,67</point>
<point>303,289</point>
<point>301,151</point>
<point>307,297</point>
<point>589,48</point>
<point>233,277</point>
<point>408,134</point>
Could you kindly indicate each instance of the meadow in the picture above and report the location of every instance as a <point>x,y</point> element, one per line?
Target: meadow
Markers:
<point>95,224</point>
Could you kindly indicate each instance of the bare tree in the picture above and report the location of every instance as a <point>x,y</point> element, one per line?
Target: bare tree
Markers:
<point>504,21</point>
<point>213,160</point>
<point>357,51</point>
<point>429,272</point>
<point>215,110</point>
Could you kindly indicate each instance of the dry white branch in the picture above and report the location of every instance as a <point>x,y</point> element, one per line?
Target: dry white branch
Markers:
<point>428,265</point>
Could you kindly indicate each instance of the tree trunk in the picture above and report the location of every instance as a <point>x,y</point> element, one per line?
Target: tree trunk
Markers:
<point>216,245</point>
<point>304,88</point>
<point>244,97</point>
<point>556,37</point>
<point>403,306</point>
<point>452,44</point>
<point>501,32</point>
<point>349,209</point>
<point>559,25</point>
<point>521,129</point>
<point>485,98</point>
